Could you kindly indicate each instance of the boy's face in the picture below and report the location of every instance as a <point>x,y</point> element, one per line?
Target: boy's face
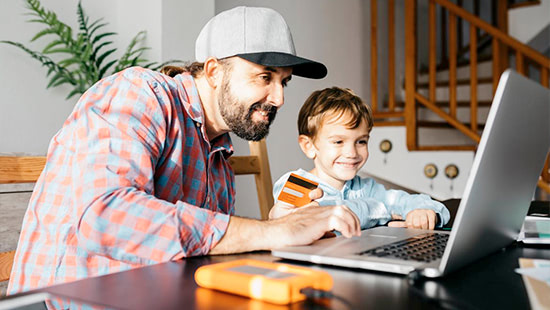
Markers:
<point>338,151</point>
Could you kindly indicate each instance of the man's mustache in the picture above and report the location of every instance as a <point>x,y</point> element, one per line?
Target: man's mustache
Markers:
<point>265,107</point>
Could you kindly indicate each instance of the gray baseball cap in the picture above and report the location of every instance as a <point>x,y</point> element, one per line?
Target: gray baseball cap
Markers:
<point>259,35</point>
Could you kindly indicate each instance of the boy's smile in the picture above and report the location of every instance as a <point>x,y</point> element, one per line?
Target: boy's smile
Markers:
<point>339,151</point>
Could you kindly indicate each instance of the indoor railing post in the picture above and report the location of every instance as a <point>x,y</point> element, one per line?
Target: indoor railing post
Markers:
<point>473,78</point>
<point>410,73</point>
<point>374,55</point>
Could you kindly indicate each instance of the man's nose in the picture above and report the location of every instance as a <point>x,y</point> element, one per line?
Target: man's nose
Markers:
<point>276,95</point>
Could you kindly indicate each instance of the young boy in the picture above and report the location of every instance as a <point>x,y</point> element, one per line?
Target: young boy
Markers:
<point>334,126</point>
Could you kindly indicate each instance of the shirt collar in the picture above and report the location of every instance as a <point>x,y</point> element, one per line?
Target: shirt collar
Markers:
<point>192,105</point>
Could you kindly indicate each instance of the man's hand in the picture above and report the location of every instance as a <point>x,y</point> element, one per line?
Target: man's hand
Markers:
<point>420,218</point>
<point>281,209</point>
<point>309,223</point>
<point>300,226</point>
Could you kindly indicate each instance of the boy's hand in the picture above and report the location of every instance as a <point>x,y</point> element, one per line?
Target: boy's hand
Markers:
<point>420,219</point>
<point>281,209</point>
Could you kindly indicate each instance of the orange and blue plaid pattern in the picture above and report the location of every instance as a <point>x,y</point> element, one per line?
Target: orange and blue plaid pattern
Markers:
<point>131,179</point>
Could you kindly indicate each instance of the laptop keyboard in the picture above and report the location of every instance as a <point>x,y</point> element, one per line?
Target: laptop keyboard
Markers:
<point>424,248</point>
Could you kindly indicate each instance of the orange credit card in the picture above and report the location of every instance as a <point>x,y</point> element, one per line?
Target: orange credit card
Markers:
<point>296,190</point>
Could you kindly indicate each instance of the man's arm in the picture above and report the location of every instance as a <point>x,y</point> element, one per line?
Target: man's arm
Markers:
<point>301,227</point>
<point>116,140</point>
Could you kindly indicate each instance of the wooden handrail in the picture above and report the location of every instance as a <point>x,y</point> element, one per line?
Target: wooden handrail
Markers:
<point>496,33</point>
<point>451,120</point>
<point>501,43</point>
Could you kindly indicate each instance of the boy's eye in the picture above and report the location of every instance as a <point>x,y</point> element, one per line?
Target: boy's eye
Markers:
<point>337,142</point>
<point>363,142</point>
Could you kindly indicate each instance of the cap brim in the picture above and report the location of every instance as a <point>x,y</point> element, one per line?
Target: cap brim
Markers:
<point>300,66</point>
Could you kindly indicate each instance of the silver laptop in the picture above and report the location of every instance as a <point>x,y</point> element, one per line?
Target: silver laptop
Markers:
<point>502,181</point>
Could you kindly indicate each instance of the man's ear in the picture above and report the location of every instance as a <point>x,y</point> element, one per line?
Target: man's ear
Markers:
<point>213,72</point>
<point>306,144</point>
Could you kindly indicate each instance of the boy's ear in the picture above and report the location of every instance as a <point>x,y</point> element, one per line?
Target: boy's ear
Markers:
<point>306,144</point>
<point>213,72</point>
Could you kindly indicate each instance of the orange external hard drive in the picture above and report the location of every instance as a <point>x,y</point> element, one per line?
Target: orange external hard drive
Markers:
<point>272,282</point>
<point>296,190</point>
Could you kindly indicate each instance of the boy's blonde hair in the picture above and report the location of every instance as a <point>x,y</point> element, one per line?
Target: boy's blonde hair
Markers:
<point>333,102</point>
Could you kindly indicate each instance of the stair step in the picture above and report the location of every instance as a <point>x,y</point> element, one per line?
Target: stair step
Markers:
<point>462,63</point>
<point>383,123</point>
<point>436,124</point>
<point>484,69</point>
<point>484,92</point>
<point>443,103</point>
<point>446,148</point>
<point>521,4</point>
<point>459,82</point>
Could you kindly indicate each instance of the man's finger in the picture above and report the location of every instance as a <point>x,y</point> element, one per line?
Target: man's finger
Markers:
<point>397,224</point>
<point>344,221</point>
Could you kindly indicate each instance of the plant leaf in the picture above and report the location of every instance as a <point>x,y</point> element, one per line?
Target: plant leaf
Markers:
<point>104,69</point>
<point>102,56</point>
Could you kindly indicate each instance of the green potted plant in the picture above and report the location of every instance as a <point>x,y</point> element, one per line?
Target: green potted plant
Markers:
<point>84,56</point>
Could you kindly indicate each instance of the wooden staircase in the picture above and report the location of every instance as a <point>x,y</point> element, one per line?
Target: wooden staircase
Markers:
<point>453,89</point>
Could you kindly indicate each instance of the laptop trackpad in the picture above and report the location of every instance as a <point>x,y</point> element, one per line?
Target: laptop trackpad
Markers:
<point>369,238</point>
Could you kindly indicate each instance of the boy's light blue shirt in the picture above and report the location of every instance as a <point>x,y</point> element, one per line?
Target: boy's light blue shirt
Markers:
<point>370,201</point>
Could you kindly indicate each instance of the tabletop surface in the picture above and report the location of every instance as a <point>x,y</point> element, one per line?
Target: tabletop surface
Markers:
<point>488,283</point>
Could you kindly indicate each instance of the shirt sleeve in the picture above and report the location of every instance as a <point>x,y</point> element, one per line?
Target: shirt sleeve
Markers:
<point>374,205</point>
<point>401,203</point>
<point>369,211</point>
<point>119,135</point>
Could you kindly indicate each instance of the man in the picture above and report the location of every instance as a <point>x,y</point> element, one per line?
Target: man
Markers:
<point>139,173</point>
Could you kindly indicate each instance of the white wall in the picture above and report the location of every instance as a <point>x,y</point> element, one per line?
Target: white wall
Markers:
<point>29,114</point>
<point>406,169</point>
<point>526,22</point>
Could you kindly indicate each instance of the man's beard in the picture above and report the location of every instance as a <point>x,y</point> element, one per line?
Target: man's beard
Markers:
<point>239,118</point>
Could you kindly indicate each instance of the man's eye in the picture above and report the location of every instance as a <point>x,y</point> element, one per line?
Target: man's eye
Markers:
<point>265,77</point>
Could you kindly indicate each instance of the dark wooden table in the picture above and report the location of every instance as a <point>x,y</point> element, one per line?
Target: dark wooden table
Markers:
<point>489,283</point>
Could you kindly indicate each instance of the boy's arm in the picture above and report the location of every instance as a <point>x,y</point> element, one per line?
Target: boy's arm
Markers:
<point>369,211</point>
<point>401,203</point>
<point>374,205</point>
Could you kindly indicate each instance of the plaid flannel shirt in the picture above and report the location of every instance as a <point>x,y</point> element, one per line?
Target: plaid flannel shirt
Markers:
<point>131,179</point>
